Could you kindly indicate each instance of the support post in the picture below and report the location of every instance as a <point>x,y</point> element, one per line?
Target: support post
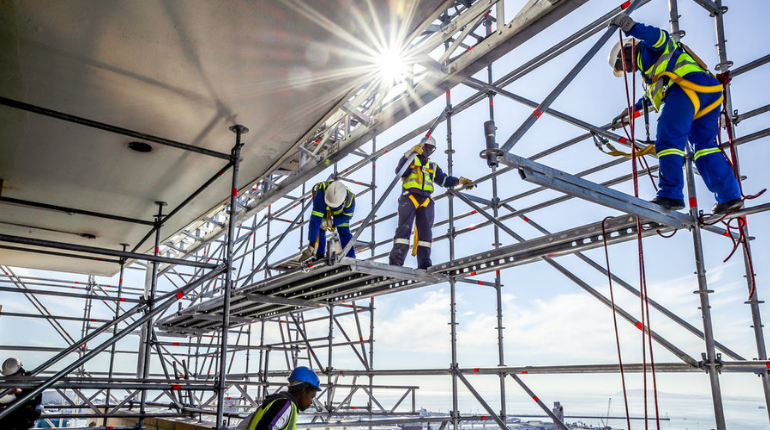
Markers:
<point>115,328</point>
<point>753,301</point>
<point>221,385</point>
<point>712,362</point>
<point>150,297</point>
<point>452,301</point>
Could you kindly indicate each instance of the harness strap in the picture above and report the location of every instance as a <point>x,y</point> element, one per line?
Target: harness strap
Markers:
<point>417,205</point>
<point>692,89</point>
<point>649,149</point>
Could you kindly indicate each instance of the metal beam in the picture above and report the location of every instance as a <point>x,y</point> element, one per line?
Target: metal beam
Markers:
<point>570,184</point>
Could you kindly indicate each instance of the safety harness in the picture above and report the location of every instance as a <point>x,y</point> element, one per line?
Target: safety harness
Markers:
<point>418,205</point>
<point>421,177</point>
<point>674,64</point>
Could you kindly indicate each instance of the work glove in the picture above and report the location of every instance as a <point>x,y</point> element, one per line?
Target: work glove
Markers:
<point>417,150</point>
<point>306,253</point>
<point>327,224</point>
<point>466,183</point>
<point>620,120</point>
<point>624,22</point>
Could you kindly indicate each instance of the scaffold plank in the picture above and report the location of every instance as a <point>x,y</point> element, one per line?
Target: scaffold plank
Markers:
<point>319,285</point>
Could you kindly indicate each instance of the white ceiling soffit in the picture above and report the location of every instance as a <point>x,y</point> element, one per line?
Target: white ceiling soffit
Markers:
<point>184,71</point>
<point>348,129</point>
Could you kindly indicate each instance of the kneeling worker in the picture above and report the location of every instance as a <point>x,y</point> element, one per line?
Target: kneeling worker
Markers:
<point>416,206</point>
<point>279,411</point>
<point>25,416</point>
<point>333,206</point>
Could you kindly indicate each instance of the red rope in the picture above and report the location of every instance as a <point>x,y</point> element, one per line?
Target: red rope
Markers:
<point>644,302</point>
<point>615,321</point>
<point>725,79</point>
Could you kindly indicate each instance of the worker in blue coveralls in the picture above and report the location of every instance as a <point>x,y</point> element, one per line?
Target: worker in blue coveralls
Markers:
<point>333,206</point>
<point>416,206</point>
<point>691,100</point>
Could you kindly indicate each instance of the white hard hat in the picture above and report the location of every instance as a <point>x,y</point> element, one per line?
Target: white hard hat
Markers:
<point>615,59</point>
<point>11,366</point>
<point>428,146</point>
<point>335,194</point>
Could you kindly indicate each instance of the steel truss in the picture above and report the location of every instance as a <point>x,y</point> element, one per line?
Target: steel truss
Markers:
<point>212,266</point>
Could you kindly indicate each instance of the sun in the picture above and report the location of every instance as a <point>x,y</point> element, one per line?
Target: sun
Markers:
<point>391,65</point>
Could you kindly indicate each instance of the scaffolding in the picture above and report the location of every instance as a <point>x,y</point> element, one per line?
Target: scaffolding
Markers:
<point>222,299</point>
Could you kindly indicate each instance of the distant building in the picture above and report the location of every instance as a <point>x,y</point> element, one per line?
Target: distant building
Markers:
<point>558,410</point>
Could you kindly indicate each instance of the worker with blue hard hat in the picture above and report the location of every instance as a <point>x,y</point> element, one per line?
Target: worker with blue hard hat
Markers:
<point>279,411</point>
<point>689,98</point>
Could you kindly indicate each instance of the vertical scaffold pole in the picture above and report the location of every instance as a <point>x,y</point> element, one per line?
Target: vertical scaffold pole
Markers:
<point>452,292</point>
<point>371,300</point>
<point>329,384</point>
<point>711,365</point>
<point>115,329</point>
<point>151,304</point>
<point>221,386</point>
<point>497,244</point>
<point>753,301</point>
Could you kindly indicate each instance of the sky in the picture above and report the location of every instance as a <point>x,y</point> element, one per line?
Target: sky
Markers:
<point>548,320</point>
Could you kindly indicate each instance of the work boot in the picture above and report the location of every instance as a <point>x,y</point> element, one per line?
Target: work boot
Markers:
<point>728,206</point>
<point>666,203</point>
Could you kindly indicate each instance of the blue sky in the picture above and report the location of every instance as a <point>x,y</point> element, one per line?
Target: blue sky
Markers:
<point>548,319</point>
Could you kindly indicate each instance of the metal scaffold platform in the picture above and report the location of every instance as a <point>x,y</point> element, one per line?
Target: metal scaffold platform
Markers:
<point>310,286</point>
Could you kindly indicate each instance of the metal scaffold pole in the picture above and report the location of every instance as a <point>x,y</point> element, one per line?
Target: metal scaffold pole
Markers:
<point>753,300</point>
<point>711,363</point>
<point>150,297</point>
<point>221,384</point>
<point>452,285</point>
<point>115,328</point>
<point>489,132</point>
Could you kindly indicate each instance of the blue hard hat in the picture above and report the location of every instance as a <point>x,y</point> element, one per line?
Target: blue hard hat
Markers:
<point>304,374</point>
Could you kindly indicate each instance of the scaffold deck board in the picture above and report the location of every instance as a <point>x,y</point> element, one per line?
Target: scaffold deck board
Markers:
<point>307,287</point>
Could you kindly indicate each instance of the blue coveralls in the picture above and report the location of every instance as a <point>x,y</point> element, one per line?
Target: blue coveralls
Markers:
<point>676,126</point>
<point>340,216</point>
<point>416,206</point>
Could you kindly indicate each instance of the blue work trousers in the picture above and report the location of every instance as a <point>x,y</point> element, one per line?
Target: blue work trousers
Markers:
<point>342,231</point>
<point>408,214</point>
<point>675,127</point>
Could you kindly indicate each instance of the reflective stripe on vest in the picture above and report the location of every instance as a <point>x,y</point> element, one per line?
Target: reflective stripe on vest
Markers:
<point>291,425</point>
<point>683,65</point>
<point>421,177</point>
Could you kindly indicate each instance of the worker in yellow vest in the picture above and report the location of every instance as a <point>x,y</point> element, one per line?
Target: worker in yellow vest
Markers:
<point>689,99</point>
<point>279,411</point>
<point>415,205</point>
